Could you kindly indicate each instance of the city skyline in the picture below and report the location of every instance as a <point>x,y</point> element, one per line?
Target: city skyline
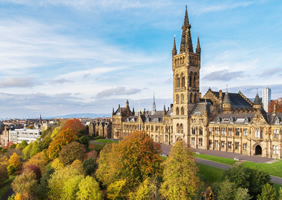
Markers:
<point>65,57</point>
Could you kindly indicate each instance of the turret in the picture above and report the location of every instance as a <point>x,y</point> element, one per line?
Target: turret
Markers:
<point>153,105</point>
<point>257,104</point>
<point>164,111</point>
<point>226,104</point>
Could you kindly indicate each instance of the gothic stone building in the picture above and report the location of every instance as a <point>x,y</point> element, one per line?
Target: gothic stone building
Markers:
<point>219,121</point>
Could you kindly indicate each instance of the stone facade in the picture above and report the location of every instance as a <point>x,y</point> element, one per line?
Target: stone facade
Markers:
<point>101,127</point>
<point>219,121</point>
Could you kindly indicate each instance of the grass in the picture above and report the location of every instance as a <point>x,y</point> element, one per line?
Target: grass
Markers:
<point>96,147</point>
<point>277,187</point>
<point>164,157</point>
<point>227,161</point>
<point>272,169</point>
<point>212,174</point>
<point>105,141</point>
<point>6,185</point>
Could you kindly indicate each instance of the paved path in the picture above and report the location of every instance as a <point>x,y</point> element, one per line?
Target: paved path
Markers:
<point>274,179</point>
<point>9,193</point>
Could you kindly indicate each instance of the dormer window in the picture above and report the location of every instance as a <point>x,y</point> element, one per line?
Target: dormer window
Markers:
<point>246,120</point>
<point>218,119</point>
<point>277,120</point>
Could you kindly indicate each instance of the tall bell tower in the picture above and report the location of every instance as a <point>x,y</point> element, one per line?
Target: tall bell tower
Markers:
<point>186,73</point>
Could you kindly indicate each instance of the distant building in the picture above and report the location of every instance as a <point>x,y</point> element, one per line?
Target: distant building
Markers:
<point>266,98</point>
<point>101,127</point>
<point>29,135</point>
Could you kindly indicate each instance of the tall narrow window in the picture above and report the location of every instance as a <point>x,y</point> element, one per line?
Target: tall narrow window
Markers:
<point>178,81</point>
<point>177,111</point>
<point>177,98</point>
<point>182,98</point>
<point>182,111</point>
<point>183,81</point>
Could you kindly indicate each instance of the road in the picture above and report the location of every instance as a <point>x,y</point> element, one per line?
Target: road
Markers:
<point>274,179</point>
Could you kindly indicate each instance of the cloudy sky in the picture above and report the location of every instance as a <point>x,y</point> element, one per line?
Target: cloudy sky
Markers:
<point>60,57</point>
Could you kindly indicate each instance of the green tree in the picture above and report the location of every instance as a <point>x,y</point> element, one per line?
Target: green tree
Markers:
<point>12,146</point>
<point>89,189</point>
<point>11,170</point>
<point>3,172</point>
<point>226,190</point>
<point>71,152</point>
<point>242,194</point>
<point>45,142</point>
<point>36,148</point>
<point>180,174</point>
<point>89,166</point>
<point>84,140</point>
<point>57,164</point>
<point>26,151</point>
<point>71,187</point>
<point>248,178</point>
<point>43,188</point>
<point>58,179</point>
<point>268,192</point>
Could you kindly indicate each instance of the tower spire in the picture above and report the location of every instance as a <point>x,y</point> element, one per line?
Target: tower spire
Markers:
<point>198,49</point>
<point>154,105</point>
<point>174,50</point>
<point>186,41</point>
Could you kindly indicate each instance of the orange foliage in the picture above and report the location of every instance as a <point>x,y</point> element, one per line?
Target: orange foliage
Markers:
<point>65,137</point>
<point>135,158</point>
<point>278,104</point>
<point>15,160</point>
<point>74,125</point>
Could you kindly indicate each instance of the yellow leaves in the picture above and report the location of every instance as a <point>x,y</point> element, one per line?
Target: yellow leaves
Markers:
<point>15,160</point>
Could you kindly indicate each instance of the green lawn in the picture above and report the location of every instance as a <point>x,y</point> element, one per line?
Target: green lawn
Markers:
<point>6,185</point>
<point>227,161</point>
<point>274,169</point>
<point>212,174</point>
<point>105,141</point>
<point>164,157</point>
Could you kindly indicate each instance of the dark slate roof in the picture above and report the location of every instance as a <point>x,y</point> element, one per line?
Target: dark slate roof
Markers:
<point>237,101</point>
<point>200,108</point>
<point>236,118</point>
<point>275,119</point>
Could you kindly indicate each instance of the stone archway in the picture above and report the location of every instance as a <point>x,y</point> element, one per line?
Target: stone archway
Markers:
<point>179,139</point>
<point>258,150</point>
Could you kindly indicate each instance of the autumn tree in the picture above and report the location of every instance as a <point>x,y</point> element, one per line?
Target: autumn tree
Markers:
<point>277,104</point>
<point>56,132</point>
<point>146,190</point>
<point>34,168</point>
<point>134,159</point>
<point>57,164</point>
<point>72,151</point>
<point>180,173</point>
<point>77,164</point>
<point>25,184</point>
<point>89,189</point>
<point>74,125</point>
<point>40,160</point>
<point>15,161</point>
<point>61,140</point>
<point>71,187</point>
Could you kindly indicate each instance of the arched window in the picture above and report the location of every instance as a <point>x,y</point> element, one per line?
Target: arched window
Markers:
<point>182,98</point>
<point>200,131</point>
<point>177,98</point>
<point>190,79</point>
<point>191,98</point>
<point>182,111</point>
<point>177,111</point>
<point>181,128</point>
<point>194,83</point>
<point>195,98</point>
<point>178,81</point>
<point>178,128</point>
<point>182,81</point>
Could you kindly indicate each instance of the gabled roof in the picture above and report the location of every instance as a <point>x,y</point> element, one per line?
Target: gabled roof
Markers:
<point>237,101</point>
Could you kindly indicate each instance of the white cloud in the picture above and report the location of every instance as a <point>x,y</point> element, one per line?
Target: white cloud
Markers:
<point>17,82</point>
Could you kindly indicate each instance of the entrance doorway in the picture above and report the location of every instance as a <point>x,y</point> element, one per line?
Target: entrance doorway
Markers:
<point>258,150</point>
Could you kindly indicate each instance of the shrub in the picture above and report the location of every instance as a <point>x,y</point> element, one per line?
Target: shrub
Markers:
<point>12,146</point>
<point>3,172</point>
<point>89,166</point>
<point>11,170</point>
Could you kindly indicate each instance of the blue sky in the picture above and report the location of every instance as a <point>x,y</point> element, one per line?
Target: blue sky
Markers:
<point>60,57</point>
